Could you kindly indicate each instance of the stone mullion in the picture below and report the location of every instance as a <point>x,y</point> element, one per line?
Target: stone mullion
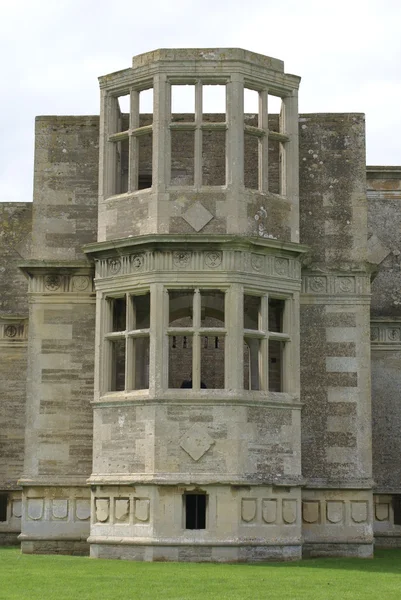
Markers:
<point>235,134</point>
<point>234,343</point>
<point>161,141</point>
<point>290,174</point>
<point>263,143</point>
<point>264,344</point>
<point>133,167</point>
<point>196,349</point>
<point>198,136</point>
<point>158,343</point>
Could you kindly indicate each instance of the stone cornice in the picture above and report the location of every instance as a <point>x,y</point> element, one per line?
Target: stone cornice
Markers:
<point>161,241</point>
<point>32,268</point>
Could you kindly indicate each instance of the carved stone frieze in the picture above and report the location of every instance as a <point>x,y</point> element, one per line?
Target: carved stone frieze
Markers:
<point>13,330</point>
<point>54,283</point>
<point>385,334</point>
<point>335,284</point>
<point>211,260</point>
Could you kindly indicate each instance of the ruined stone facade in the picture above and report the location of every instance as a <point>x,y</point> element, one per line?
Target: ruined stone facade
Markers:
<point>193,314</point>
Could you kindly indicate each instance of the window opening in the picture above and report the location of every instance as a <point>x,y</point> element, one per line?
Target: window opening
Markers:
<point>213,103</point>
<point>182,157</point>
<point>180,362</point>
<point>213,157</point>
<point>252,134</point>
<point>146,107</point>
<point>397,509</point>
<point>252,311</point>
<point>195,511</point>
<point>213,353</point>
<point>251,165</point>
<point>3,507</point>
<point>276,314</point>
<point>128,343</point>
<point>274,105</point>
<point>145,157</point>
<point>275,366</point>
<point>251,102</point>
<point>274,166</point>
<point>196,339</point>
<point>183,103</point>
<point>124,105</point>
<point>265,339</point>
<point>118,366</point>
<point>119,313</point>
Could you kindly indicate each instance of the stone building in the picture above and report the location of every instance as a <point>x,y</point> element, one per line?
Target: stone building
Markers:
<point>193,313</point>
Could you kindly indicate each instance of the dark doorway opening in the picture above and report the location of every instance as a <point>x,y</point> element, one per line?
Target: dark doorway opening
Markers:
<point>195,511</point>
<point>3,507</point>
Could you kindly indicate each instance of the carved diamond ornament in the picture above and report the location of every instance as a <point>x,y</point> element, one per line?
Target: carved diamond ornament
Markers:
<point>196,442</point>
<point>197,216</point>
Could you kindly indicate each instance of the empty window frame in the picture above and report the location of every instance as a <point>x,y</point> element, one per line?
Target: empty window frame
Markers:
<point>126,349</point>
<point>195,510</point>
<point>198,138</point>
<point>129,141</point>
<point>3,507</point>
<point>264,142</point>
<point>196,338</point>
<point>265,338</point>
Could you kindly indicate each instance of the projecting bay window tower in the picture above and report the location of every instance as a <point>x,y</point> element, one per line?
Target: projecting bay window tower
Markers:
<point>196,409</point>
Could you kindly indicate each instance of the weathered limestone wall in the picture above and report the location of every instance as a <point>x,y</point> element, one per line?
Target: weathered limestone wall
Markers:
<point>335,357</point>
<point>15,239</point>
<point>58,444</point>
<point>384,223</point>
<point>15,227</point>
<point>384,226</point>
<point>65,186</point>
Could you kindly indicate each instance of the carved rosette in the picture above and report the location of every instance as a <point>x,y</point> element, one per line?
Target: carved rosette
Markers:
<point>52,282</point>
<point>80,283</point>
<point>318,284</point>
<point>10,331</point>
<point>137,261</point>
<point>181,259</point>
<point>213,259</point>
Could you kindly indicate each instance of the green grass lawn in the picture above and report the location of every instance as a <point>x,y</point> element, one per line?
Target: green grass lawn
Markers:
<point>29,577</point>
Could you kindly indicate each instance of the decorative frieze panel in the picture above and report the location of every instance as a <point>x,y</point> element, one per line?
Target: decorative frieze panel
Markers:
<point>328,284</point>
<point>385,334</point>
<point>210,260</point>
<point>335,512</point>
<point>54,509</point>
<point>54,283</point>
<point>13,329</point>
<point>122,510</point>
<point>269,511</point>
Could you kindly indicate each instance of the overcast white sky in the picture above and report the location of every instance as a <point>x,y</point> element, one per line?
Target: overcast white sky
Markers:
<point>348,53</point>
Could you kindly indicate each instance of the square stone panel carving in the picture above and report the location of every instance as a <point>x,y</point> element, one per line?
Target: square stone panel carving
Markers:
<point>197,216</point>
<point>196,442</point>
